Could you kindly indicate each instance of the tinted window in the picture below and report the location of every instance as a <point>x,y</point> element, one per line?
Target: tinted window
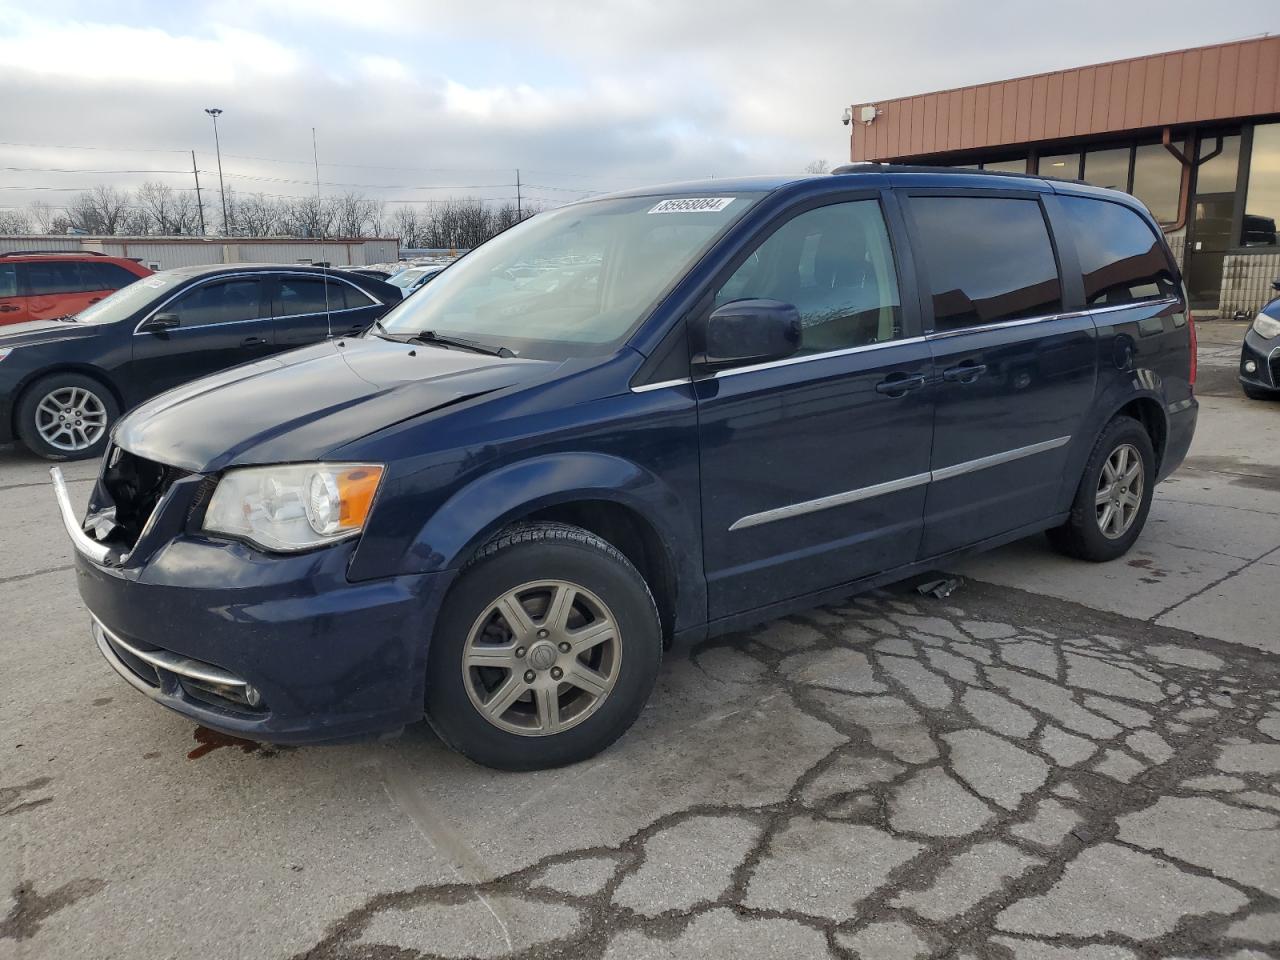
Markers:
<point>223,302</point>
<point>54,276</point>
<point>8,280</point>
<point>351,297</point>
<point>105,276</point>
<point>1065,166</point>
<point>835,265</point>
<point>299,295</point>
<point>1107,168</point>
<point>987,259</point>
<point>1121,258</point>
<point>304,295</point>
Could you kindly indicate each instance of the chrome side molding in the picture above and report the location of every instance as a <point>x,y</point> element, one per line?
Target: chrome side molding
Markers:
<point>895,486</point>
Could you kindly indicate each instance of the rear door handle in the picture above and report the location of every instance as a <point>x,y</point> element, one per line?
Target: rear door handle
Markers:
<point>965,373</point>
<point>253,341</point>
<point>8,308</point>
<point>898,384</point>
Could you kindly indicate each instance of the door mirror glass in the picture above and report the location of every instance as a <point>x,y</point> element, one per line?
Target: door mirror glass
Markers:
<point>745,332</point>
<point>162,321</point>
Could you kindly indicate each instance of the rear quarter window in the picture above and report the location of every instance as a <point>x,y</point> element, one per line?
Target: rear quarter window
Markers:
<point>1121,258</point>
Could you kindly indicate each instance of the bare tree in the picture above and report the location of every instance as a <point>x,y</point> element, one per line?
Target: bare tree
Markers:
<point>355,215</point>
<point>41,216</point>
<point>258,216</point>
<point>14,222</point>
<point>817,166</point>
<point>100,211</point>
<point>405,223</point>
<point>306,217</point>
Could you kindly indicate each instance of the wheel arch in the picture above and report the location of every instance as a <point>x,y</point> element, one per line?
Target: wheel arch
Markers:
<point>617,500</point>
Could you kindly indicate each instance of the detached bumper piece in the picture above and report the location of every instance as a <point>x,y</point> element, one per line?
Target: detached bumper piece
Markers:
<point>161,675</point>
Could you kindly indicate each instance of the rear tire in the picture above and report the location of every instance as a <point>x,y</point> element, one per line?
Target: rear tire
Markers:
<point>66,416</point>
<point>1111,504</point>
<point>563,681</point>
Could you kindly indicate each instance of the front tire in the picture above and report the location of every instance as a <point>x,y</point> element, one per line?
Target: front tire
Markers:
<point>66,416</point>
<point>545,651</point>
<point>1114,496</point>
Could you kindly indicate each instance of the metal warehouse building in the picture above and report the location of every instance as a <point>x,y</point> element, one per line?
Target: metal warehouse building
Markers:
<point>1194,134</point>
<point>164,253</point>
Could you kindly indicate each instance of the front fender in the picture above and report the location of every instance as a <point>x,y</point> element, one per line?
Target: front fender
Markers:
<point>494,500</point>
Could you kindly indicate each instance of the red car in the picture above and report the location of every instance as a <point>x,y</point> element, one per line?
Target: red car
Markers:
<point>44,285</point>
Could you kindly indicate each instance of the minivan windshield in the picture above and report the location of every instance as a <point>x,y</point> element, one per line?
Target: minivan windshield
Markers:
<point>571,282</point>
<point>126,300</point>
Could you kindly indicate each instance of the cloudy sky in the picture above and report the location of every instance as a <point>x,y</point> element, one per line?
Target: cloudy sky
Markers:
<point>420,100</point>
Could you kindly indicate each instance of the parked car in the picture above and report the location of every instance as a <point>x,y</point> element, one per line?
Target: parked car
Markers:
<point>1260,353</point>
<point>501,504</point>
<point>42,285</point>
<point>369,272</point>
<point>63,383</point>
<point>415,278</point>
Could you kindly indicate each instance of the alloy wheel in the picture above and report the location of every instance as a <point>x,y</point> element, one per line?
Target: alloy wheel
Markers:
<point>542,658</point>
<point>71,419</point>
<point>1119,494</point>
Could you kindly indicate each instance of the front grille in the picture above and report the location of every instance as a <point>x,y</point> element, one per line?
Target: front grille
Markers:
<point>133,487</point>
<point>1275,368</point>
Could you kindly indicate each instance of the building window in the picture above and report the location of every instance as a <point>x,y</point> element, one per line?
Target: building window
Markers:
<point>1107,168</point>
<point>1157,181</point>
<point>1262,193</point>
<point>1017,165</point>
<point>1065,166</point>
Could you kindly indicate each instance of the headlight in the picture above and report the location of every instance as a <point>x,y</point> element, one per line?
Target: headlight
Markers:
<point>1266,326</point>
<point>293,506</point>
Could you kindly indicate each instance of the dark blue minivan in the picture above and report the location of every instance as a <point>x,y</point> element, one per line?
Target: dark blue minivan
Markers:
<point>656,415</point>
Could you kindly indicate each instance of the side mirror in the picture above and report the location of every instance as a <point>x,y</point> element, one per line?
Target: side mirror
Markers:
<point>161,322</point>
<point>745,332</point>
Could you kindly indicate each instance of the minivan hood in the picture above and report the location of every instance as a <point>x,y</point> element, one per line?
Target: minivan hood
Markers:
<point>298,405</point>
<point>45,331</point>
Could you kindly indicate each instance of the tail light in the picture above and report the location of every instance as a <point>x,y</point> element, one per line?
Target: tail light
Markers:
<point>1191,329</point>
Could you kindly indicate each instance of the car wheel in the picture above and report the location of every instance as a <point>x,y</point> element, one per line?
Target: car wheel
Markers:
<point>1258,393</point>
<point>66,416</point>
<point>545,651</point>
<point>1114,497</point>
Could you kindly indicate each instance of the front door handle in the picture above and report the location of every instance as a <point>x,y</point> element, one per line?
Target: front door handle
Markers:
<point>8,308</point>
<point>965,373</point>
<point>253,341</point>
<point>899,384</point>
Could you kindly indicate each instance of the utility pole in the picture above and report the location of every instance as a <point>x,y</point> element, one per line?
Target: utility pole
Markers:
<point>195,172</point>
<point>215,112</point>
<point>519,209</point>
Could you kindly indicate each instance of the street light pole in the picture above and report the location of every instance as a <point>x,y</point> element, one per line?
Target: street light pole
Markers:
<point>215,113</point>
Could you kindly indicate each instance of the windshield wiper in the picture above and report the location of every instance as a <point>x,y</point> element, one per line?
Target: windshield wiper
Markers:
<point>430,336</point>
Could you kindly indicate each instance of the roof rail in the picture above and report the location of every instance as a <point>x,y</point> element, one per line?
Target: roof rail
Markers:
<point>46,253</point>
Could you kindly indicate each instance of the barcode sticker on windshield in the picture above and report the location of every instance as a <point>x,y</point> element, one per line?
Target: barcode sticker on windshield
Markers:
<point>692,205</point>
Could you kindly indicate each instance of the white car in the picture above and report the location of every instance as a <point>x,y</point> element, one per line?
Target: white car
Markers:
<point>412,278</point>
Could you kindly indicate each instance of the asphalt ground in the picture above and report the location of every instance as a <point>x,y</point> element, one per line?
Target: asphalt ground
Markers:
<point>1059,760</point>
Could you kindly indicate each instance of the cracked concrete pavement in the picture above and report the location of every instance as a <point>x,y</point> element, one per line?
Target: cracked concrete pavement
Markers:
<point>1058,762</point>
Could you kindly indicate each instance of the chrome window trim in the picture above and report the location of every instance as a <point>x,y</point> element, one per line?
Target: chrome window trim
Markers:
<point>213,278</point>
<point>808,357</point>
<point>895,486</point>
<point>661,384</point>
<point>1046,317</point>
